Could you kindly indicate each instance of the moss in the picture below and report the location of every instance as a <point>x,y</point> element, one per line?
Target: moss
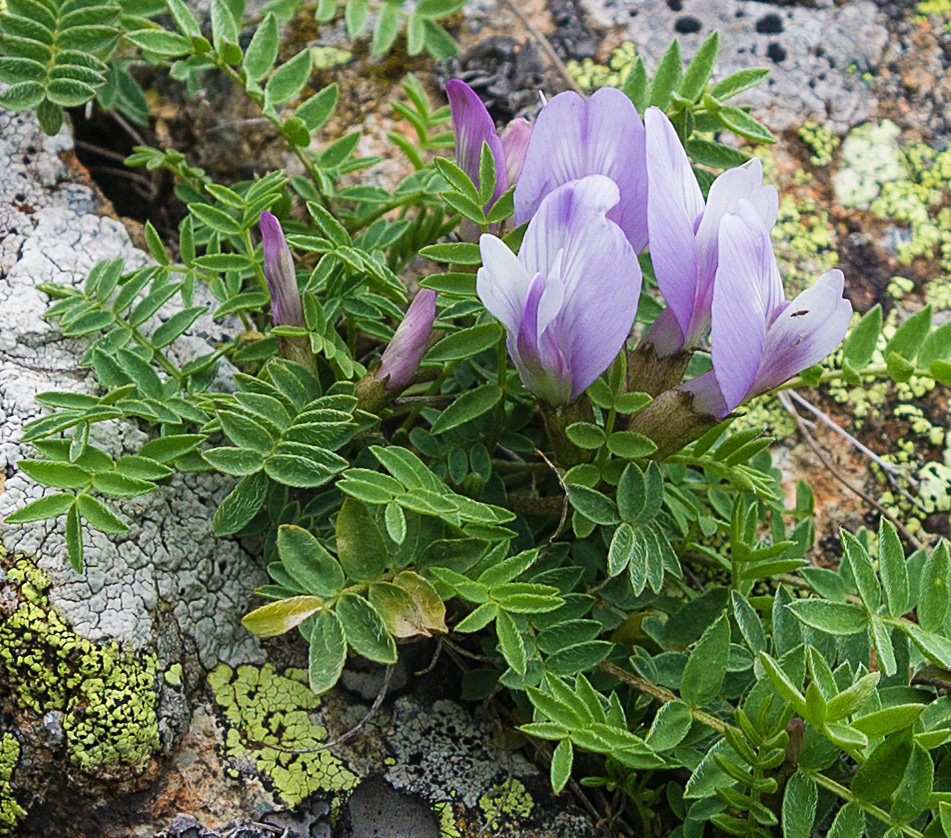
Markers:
<point>11,812</point>
<point>108,697</point>
<point>506,803</point>
<point>261,706</point>
<point>820,141</point>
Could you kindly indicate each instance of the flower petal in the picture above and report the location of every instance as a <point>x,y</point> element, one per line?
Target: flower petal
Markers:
<point>674,204</point>
<point>573,138</point>
<point>739,316</point>
<point>806,331</point>
<point>572,239</point>
<point>471,126</point>
<point>541,363</point>
<point>502,282</point>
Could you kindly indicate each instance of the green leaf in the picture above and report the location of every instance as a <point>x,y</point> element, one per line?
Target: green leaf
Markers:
<point>318,108</point>
<point>57,475</point>
<point>891,566</point>
<point>621,550</point>
<point>74,538</point>
<point>361,549</point>
<point>591,503</point>
<point>355,16</point>
<point>700,68</point>
<point>888,721</point>
<point>706,666</point>
<point>241,505</point>
<point>100,516</point>
<point>365,630</point>
<point>49,506</point>
<point>302,472</point>
<point>831,617</point>
<point>860,345</point>
<point>670,726</point>
<point>308,562</point>
<point>737,83</point>
<point>781,681</point>
<point>466,343</point>
<point>635,84</point>
<point>395,521</point>
<point>934,647</point>
<point>799,806</point>
<point>289,78</point>
<point>459,253</point>
<point>279,617</point>
<point>743,125</point>
<point>909,337</point>
<point>511,643</point>
<point>238,462</point>
<point>262,51</point>
<point>934,598</point>
<point>386,29</point>
<point>630,445</point>
<point>328,652</point>
<point>217,219</point>
<point>911,798</point>
<point>863,572</point>
<point>246,432</point>
<point>338,151</point>
<point>561,763</point>
<point>884,650</point>
<point>159,42</point>
<point>667,76</point>
<point>848,702</point>
<point>468,406</point>
<point>119,486</point>
<point>175,326</point>
<point>881,773</point>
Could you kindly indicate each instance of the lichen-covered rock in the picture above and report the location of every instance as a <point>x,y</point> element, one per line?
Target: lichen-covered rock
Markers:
<point>818,57</point>
<point>49,232</point>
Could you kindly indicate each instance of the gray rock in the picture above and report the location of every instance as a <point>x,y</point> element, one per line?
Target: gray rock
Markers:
<point>49,232</point>
<point>816,56</point>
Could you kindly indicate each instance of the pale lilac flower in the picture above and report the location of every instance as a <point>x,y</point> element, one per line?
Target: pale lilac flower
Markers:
<point>684,231</point>
<point>568,299</point>
<point>279,272</point>
<point>401,357</point>
<point>472,126</point>
<point>759,338</point>
<point>573,138</point>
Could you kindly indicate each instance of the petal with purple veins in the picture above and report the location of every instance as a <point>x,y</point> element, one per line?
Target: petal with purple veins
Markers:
<point>471,127</point>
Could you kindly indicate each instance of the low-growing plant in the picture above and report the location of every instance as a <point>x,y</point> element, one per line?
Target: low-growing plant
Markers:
<point>622,559</point>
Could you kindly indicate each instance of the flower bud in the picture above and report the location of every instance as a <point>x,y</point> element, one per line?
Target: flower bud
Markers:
<point>279,272</point>
<point>401,358</point>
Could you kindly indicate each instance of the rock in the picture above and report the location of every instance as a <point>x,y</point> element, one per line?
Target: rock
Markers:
<point>817,56</point>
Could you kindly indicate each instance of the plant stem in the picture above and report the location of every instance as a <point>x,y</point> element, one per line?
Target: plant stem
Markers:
<point>846,794</point>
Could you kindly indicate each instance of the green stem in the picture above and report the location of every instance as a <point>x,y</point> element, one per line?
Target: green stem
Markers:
<point>846,794</point>
<point>664,696</point>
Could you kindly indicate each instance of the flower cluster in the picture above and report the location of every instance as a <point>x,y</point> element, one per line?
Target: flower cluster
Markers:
<point>596,185</point>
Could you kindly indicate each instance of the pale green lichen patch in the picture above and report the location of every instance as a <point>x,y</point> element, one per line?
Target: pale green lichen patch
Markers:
<point>262,707</point>
<point>108,697</point>
<point>821,142</point>
<point>590,75</point>
<point>804,241</point>
<point>508,802</point>
<point>870,158</point>
<point>11,812</point>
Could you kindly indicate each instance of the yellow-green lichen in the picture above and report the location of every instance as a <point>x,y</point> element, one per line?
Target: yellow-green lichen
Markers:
<point>821,142</point>
<point>325,58</point>
<point>107,697</point>
<point>590,75</point>
<point>262,707</point>
<point>506,803</point>
<point>870,158</point>
<point>447,820</point>
<point>804,242</point>
<point>11,812</point>
<point>934,488</point>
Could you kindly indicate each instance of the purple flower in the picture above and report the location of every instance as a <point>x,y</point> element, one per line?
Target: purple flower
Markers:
<point>472,126</point>
<point>573,138</point>
<point>401,358</point>
<point>279,272</point>
<point>568,299</point>
<point>684,231</point>
<point>759,338</point>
